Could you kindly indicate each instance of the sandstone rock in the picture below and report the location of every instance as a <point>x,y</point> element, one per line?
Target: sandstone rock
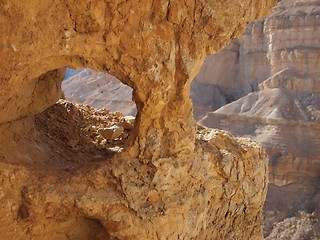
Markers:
<point>166,184</point>
<point>127,122</point>
<point>111,133</point>
<point>65,187</point>
<point>119,38</point>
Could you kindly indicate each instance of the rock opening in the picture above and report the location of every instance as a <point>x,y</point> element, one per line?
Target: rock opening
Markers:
<point>98,90</point>
<point>171,183</point>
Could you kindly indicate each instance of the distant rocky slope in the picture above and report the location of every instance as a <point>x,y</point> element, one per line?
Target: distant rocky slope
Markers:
<point>99,90</point>
<point>273,73</point>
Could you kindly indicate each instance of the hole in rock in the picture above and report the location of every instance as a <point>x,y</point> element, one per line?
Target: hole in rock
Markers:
<point>98,90</point>
<point>93,120</point>
<point>80,228</point>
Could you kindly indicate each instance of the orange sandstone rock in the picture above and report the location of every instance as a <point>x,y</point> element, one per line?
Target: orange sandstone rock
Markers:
<point>166,184</point>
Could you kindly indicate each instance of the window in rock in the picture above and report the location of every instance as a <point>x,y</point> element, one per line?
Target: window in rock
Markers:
<point>93,121</point>
<point>98,90</point>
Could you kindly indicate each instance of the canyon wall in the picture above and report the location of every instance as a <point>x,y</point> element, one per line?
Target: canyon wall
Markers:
<point>278,52</point>
<point>169,180</point>
<point>278,58</point>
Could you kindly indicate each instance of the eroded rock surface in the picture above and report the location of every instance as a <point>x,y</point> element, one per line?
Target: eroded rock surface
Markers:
<point>167,184</point>
<point>302,226</point>
<point>156,47</point>
<point>280,59</point>
<point>280,51</point>
<point>69,178</point>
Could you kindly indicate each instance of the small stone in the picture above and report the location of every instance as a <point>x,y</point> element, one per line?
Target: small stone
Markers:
<point>126,124</point>
<point>111,133</point>
<point>130,119</point>
<point>73,142</point>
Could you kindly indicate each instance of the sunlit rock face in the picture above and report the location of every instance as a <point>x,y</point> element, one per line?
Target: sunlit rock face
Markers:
<point>280,51</point>
<point>168,182</point>
<point>275,66</point>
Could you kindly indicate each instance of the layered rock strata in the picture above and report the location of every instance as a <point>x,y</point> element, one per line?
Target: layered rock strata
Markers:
<point>282,109</point>
<point>293,150</point>
<point>279,51</point>
<point>167,183</point>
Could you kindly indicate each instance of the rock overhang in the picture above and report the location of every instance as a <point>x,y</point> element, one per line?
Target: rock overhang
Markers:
<point>156,47</point>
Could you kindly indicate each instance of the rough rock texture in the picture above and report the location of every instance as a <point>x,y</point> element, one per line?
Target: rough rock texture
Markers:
<point>281,111</point>
<point>279,51</point>
<point>302,227</point>
<point>293,150</point>
<point>290,95</point>
<point>156,47</point>
<point>167,184</point>
<point>68,179</point>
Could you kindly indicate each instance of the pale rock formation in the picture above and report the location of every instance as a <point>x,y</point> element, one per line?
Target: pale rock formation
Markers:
<point>303,226</point>
<point>283,111</point>
<point>240,67</point>
<point>99,90</point>
<point>279,51</point>
<point>167,183</point>
<point>205,97</point>
<point>220,70</point>
<point>292,31</point>
<point>276,103</point>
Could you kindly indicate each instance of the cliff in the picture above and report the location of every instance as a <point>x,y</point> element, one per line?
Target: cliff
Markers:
<point>278,58</point>
<point>168,180</point>
<point>278,52</point>
<point>264,86</point>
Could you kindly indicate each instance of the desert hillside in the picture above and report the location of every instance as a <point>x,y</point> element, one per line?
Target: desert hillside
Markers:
<point>99,90</point>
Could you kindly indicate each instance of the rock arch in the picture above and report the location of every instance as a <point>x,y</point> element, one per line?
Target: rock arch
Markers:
<point>156,47</point>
